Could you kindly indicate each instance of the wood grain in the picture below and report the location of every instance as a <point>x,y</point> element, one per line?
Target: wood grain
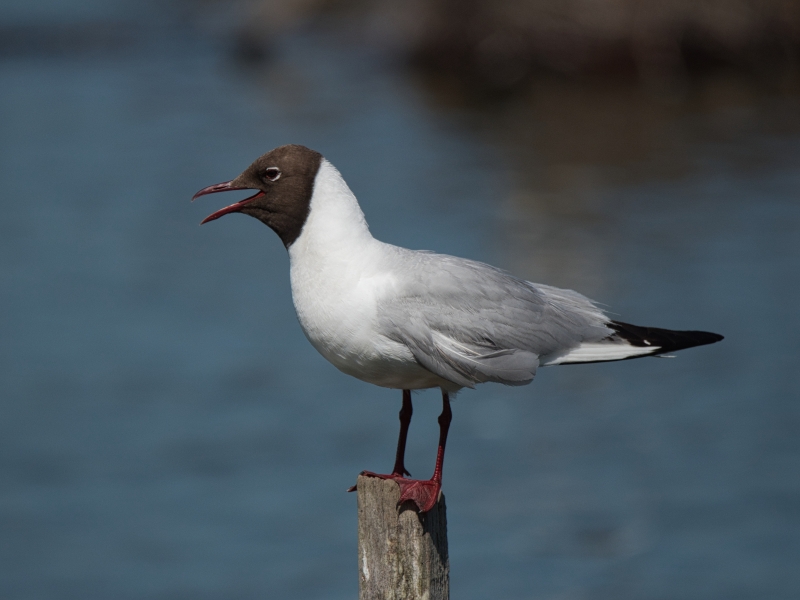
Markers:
<point>402,555</point>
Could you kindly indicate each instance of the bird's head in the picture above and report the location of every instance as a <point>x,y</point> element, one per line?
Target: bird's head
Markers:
<point>284,181</point>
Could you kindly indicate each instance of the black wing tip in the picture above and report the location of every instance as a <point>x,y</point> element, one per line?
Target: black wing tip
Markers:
<point>667,340</point>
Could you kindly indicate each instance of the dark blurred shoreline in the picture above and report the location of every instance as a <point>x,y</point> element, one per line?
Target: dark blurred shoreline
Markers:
<point>501,47</point>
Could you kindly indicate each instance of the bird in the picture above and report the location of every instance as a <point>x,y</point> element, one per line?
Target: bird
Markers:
<point>413,319</point>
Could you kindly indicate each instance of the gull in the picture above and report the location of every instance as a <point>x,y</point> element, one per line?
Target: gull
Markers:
<point>412,320</point>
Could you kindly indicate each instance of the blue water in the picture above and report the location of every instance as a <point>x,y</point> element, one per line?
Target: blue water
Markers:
<point>166,431</point>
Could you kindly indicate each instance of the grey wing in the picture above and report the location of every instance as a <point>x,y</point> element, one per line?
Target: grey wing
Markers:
<point>471,323</point>
<point>460,361</point>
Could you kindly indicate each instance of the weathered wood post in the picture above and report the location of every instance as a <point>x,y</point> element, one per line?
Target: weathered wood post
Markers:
<point>402,555</point>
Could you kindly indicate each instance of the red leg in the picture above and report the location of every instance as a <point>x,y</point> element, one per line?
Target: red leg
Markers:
<point>405,420</point>
<point>399,461</point>
<point>423,493</point>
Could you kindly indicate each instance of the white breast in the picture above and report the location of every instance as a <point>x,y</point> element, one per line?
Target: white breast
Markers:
<point>338,276</point>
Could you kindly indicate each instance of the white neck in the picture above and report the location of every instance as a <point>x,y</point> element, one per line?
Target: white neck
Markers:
<point>339,274</point>
<point>335,228</point>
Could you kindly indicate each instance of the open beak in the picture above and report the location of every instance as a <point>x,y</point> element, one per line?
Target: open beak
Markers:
<point>225,186</point>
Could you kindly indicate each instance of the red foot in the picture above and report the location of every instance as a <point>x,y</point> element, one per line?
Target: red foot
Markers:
<point>423,493</point>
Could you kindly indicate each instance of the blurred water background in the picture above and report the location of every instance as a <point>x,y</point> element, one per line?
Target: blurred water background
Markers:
<point>167,432</point>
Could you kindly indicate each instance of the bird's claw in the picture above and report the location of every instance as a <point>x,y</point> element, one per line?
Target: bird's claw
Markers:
<point>423,493</point>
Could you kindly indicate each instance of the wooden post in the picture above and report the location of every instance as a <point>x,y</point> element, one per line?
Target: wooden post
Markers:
<point>402,555</point>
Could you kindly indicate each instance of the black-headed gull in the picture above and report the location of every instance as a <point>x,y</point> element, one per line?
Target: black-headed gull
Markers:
<point>409,319</point>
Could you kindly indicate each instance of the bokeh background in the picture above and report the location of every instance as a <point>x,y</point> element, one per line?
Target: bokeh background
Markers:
<point>167,432</point>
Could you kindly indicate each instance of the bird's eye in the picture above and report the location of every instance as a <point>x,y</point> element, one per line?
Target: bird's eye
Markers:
<point>272,173</point>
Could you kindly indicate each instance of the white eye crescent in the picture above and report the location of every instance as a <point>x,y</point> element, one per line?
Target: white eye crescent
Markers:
<point>272,173</point>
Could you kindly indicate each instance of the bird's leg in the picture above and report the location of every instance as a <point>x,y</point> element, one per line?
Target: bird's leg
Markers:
<point>399,462</point>
<point>426,493</point>
<point>405,420</point>
<point>423,493</point>
<point>444,426</point>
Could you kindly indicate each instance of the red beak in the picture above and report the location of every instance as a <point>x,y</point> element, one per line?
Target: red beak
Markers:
<point>225,186</point>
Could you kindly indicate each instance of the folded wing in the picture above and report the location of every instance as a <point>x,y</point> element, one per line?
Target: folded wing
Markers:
<point>471,323</point>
